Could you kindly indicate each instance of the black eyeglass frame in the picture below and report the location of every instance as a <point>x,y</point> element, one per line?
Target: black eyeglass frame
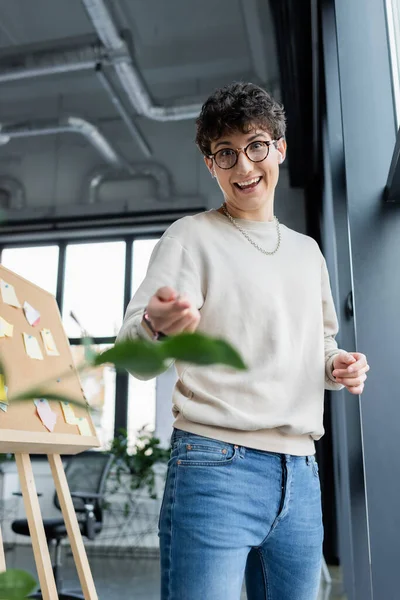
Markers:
<point>237,151</point>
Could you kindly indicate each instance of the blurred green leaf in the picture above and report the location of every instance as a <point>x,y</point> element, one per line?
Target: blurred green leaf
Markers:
<point>16,584</point>
<point>146,358</point>
<point>143,358</point>
<point>36,393</point>
<point>3,370</point>
<point>200,349</point>
<point>139,356</point>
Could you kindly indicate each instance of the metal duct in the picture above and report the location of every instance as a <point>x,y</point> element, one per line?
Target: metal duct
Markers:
<point>113,52</point>
<point>69,124</point>
<point>43,63</point>
<point>115,99</point>
<point>128,75</point>
<point>156,172</point>
<point>14,191</point>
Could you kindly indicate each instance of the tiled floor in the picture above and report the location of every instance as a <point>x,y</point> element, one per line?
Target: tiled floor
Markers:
<point>129,578</point>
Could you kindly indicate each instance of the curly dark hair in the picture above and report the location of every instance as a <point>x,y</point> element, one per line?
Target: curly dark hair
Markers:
<point>238,107</point>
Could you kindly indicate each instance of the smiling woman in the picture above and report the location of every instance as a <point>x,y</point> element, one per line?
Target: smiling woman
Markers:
<point>236,273</point>
<point>243,148</point>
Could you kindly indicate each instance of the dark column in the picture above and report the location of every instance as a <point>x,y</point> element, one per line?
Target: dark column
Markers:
<point>364,235</point>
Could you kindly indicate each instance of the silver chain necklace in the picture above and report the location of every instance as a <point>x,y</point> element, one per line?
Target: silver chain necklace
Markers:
<point>243,232</point>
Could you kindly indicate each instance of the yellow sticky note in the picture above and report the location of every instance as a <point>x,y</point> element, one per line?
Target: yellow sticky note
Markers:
<point>68,413</point>
<point>83,425</point>
<point>3,391</point>
<point>8,294</point>
<point>49,343</point>
<point>6,328</point>
<point>32,347</point>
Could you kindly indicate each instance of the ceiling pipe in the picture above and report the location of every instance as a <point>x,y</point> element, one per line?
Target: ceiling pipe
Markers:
<point>154,171</point>
<point>129,77</point>
<point>38,64</point>
<point>131,126</point>
<point>69,124</point>
<point>113,51</point>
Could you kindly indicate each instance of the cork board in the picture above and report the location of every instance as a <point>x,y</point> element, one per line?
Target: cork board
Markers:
<point>21,429</point>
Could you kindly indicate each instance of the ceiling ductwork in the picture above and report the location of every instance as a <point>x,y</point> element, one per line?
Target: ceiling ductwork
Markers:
<point>129,77</point>
<point>12,193</point>
<point>112,51</point>
<point>156,172</point>
<point>38,64</point>
<point>69,124</point>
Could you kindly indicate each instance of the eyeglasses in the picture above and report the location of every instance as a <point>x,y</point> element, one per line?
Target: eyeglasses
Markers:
<point>257,151</point>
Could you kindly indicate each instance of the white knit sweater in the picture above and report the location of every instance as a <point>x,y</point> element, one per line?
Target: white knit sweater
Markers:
<point>276,310</point>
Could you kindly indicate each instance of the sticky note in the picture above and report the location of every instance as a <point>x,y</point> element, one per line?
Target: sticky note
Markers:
<point>46,415</point>
<point>32,315</point>
<point>83,425</point>
<point>8,294</point>
<point>32,347</point>
<point>6,329</point>
<point>3,390</point>
<point>49,343</point>
<point>68,412</point>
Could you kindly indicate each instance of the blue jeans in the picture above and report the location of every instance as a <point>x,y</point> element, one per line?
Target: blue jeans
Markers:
<point>229,513</point>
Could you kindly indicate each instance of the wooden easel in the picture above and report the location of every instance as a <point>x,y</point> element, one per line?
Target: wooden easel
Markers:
<point>22,433</point>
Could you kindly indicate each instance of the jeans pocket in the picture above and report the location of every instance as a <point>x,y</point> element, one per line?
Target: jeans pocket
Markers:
<point>203,452</point>
<point>315,467</point>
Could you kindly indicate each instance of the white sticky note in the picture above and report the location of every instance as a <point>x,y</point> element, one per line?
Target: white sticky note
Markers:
<point>49,343</point>
<point>8,294</point>
<point>46,415</point>
<point>6,329</point>
<point>32,347</point>
<point>68,412</point>
<point>32,315</point>
<point>83,425</point>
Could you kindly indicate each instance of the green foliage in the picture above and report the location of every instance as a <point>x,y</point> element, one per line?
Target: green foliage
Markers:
<point>145,359</point>
<point>34,393</point>
<point>138,356</point>
<point>139,461</point>
<point>6,457</point>
<point>201,350</point>
<point>16,584</point>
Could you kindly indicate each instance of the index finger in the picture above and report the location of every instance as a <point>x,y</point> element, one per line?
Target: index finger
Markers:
<point>166,294</point>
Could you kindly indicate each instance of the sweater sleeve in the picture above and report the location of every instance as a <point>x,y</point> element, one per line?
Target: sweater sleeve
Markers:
<point>331,328</point>
<point>170,265</point>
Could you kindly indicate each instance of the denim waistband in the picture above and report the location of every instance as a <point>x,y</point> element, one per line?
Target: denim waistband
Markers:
<point>178,434</point>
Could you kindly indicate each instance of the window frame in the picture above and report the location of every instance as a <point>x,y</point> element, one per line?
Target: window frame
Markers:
<point>122,379</point>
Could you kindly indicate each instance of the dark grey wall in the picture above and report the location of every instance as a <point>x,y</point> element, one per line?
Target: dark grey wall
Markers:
<point>367,254</point>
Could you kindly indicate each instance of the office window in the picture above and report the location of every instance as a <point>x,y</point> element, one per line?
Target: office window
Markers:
<point>142,394</point>
<point>99,388</point>
<point>393,21</point>
<point>141,254</point>
<point>38,264</point>
<point>94,288</point>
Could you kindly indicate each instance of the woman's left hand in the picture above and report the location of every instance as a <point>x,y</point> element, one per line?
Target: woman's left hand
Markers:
<point>350,369</point>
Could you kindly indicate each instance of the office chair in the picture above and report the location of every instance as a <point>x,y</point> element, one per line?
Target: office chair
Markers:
<point>86,474</point>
